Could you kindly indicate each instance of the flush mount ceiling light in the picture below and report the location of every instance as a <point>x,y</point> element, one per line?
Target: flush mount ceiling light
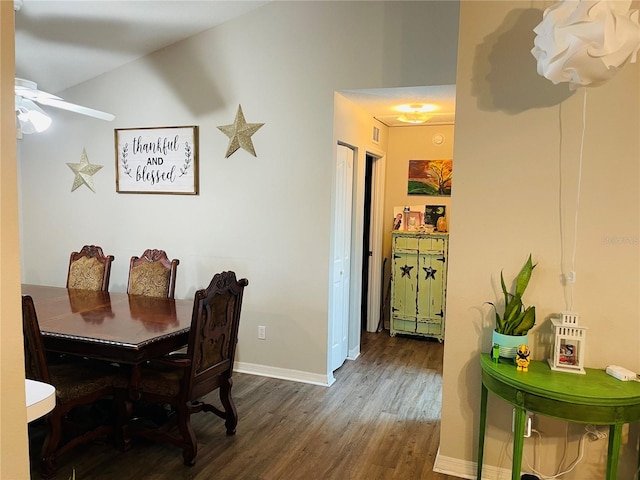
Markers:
<point>415,112</point>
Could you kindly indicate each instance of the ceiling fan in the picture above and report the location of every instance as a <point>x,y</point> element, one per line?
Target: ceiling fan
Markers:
<point>32,119</point>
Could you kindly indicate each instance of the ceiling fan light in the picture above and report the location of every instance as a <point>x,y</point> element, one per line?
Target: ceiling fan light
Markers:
<point>32,118</point>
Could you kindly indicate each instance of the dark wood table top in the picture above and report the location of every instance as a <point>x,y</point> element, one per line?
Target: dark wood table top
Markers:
<point>110,326</point>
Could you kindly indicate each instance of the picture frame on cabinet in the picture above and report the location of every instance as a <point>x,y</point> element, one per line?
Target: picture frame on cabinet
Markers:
<point>432,213</point>
<point>412,221</point>
<point>398,221</point>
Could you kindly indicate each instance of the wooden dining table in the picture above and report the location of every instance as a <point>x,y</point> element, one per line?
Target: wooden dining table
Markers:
<point>111,326</point>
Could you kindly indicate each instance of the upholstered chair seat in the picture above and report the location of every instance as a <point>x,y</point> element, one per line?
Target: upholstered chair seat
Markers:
<point>161,379</point>
<point>95,378</point>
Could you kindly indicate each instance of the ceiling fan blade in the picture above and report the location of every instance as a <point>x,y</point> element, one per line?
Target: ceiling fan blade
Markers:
<point>28,89</point>
<point>72,107</point>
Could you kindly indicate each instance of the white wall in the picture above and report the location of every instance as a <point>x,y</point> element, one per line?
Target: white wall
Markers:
<point>516,161</point>
<point>267,218</point>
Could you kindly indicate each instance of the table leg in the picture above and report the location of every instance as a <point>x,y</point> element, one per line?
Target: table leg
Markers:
<point>483,424</point>
<point>124,414</point>
<point>519,420</point>
<point>134,381</point>
<point>613,454</point>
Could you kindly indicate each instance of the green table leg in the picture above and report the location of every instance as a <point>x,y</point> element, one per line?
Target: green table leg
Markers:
<point>518,442</point>
<point>483,424</point>
<point>615,440</point>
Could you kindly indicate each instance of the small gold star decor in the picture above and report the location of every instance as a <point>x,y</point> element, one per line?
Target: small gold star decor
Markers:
<point>239,133</point>
<point>84,172</point>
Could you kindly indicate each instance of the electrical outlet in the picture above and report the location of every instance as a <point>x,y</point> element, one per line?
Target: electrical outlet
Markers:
<point>262,332</point>
<point>527,425</point>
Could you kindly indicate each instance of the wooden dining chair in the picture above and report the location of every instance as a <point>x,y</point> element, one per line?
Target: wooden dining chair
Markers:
<point>182,380</point>
<point>152,274</point>
<point>77,384</point>
<point>89,269</point>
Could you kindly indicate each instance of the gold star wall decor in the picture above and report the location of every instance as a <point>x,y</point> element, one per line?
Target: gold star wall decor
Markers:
<point>239,133</point>
<point>84,172</point>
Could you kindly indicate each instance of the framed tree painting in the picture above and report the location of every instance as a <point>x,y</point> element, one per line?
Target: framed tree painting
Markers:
<point>430,177</point>
<point>157,160</point>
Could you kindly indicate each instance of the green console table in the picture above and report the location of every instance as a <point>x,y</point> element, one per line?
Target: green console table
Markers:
<point>594,398</point>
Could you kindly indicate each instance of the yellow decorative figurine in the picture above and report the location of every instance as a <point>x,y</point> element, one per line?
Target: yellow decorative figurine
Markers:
<point>522,358</point>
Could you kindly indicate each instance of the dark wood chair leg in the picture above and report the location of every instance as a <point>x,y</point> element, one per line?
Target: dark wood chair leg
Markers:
<point>189,445</point>
<point>48,457</point>
<point>231,414</point>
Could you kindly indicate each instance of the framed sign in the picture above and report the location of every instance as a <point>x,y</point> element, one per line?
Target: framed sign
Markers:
<point>157,160</point>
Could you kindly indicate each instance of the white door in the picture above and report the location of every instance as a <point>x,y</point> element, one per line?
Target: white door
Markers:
<point>341,257</point>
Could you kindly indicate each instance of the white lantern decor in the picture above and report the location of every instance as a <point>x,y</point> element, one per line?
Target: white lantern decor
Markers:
<point>569,344</point>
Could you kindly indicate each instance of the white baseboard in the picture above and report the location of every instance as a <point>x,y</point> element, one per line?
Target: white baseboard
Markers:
<point>465,469</point>
<point>283,374</point>
<point>354,353</point>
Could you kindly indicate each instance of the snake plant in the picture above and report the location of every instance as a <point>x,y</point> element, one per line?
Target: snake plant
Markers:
<point>517,319</point>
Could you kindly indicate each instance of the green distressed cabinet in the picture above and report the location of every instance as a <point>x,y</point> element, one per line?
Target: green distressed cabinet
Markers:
<point>418,284</point>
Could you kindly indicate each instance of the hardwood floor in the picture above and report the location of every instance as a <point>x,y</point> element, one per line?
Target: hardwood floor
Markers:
<point>379,420</point>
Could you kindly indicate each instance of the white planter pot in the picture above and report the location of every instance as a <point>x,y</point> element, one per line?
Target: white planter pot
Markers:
<point>508,344</point>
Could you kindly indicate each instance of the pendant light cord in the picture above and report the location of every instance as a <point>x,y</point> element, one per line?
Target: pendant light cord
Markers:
<point>577,206</point>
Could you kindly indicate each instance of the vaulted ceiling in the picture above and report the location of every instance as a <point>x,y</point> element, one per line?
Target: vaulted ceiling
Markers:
<point>60,44</point>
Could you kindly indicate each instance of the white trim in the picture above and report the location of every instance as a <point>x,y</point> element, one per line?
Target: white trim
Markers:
<point>357,217</point>
<point>354,353</point>
<point>465,469</point>
<point>283,374</point>
<point>375,235</point>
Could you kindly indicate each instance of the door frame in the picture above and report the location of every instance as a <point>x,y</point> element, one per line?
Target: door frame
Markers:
<point>376,239</point>
<point>377,216</point>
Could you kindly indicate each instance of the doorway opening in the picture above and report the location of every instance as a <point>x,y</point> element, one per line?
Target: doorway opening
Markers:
<point>363,121</point>
<point>367,251</point>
